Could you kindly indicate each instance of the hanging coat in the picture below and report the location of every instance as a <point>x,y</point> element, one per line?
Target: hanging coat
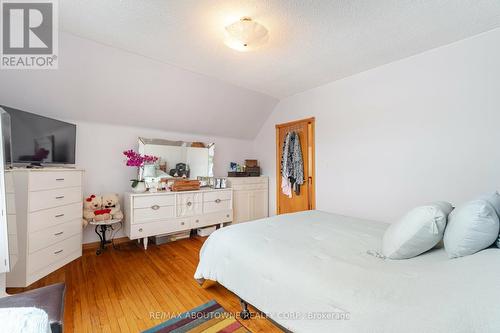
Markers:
<point>297,163</point>
<point>292,165</point>
<point>286,185</point>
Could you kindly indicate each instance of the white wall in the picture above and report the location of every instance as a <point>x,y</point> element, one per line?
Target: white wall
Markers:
<point>421,129</point>
<point>100,147</point>
<point>98,83</point>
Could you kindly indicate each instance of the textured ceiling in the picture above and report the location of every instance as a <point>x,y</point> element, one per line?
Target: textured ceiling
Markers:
<point>311,42</point>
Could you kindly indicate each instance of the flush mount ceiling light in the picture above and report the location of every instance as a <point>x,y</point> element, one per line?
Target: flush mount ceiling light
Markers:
<point>245,35</point>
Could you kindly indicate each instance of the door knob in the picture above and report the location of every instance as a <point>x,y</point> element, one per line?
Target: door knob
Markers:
<point>189,203</point>
<point>217,200</point>
<point>140,229</point>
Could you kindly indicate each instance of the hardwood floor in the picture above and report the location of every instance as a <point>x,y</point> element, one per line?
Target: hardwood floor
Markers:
<point>119,290</point>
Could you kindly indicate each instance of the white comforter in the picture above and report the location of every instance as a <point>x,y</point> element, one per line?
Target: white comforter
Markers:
<point>311,264</point>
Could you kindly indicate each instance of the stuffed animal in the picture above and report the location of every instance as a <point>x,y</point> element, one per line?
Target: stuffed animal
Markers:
<point>102,215</point>
<point>90,204</point>
<point>112,201</point>
<point>93,209</point>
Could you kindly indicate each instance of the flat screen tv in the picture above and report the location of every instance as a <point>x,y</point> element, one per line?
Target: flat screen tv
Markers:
<point>39,140</point>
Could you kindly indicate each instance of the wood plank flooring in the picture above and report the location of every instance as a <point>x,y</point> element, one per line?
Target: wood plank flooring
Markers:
<point>130,290</point>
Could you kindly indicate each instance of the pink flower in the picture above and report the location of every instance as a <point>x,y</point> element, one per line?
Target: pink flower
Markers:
<point>135,159</point>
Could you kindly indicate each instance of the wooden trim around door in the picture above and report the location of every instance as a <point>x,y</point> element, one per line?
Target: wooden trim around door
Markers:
<point>312,167</point>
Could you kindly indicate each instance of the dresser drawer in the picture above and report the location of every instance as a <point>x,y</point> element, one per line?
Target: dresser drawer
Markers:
<point>216,195</point>
<point>211,219</point>
<point>43,219</point>
<point>158,228</point>
<point>40,259</point>
<point>54,198</point>
<point>154,213</point>
<point>154,200</point>
<point>50,236</point>
<point>216,206</point>
<point>48,180</point>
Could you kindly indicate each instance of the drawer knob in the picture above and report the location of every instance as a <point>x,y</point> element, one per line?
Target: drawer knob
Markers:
<point>60,215</point>
<point>197,221</point>
<point>155,207</point>
<point>57,252</point>
<point>59,233</point>
<point>182,223</point>
<point>60,197</point>
<point>217,200</point>
<point>60,179</point>
<point>189,203</point>
<point>227,215</point>
<point>140,229</point>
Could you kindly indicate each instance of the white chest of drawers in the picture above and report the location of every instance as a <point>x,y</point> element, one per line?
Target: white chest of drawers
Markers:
<point>48,213</point>
<point>151,214</point>
<point>250,198</point>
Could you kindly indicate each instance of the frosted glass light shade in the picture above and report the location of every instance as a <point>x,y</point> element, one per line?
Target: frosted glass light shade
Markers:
<point>245,35</point>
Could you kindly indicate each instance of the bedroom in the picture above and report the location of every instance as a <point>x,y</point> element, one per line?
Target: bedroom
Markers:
<point>399,108</point>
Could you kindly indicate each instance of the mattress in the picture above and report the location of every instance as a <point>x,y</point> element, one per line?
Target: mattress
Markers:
<point>319,272</point>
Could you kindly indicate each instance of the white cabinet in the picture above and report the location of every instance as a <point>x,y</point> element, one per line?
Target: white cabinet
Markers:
<point>46,212</point>
<point>151,214</point>
<point>259,202</point>
<point>250,198</point>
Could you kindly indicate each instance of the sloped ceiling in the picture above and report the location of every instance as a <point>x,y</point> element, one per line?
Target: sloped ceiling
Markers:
<point>103,84</point>
<point>311,42</point>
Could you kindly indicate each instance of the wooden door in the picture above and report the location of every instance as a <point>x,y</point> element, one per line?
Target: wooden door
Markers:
<point>306,199</point>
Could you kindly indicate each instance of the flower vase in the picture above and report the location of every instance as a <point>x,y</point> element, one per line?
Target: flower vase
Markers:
<point>140,187</point>
<point>149,170</point>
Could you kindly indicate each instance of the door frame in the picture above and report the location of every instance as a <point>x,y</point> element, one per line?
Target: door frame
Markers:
<point>311,121</point>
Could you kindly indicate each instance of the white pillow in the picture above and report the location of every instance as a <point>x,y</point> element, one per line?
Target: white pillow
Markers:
<point>418,231</point>
<point>494,200</point>
<point>472,227</point>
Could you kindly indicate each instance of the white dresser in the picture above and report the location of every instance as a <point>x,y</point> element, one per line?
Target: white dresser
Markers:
<point>151,214</point>
<point>48,218</point>
<point>251,198</point>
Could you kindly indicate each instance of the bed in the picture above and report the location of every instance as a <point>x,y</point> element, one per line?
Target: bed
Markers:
<point>319,272</point>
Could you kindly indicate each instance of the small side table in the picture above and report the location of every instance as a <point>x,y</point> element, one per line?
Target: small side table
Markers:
<point>100,229</point>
